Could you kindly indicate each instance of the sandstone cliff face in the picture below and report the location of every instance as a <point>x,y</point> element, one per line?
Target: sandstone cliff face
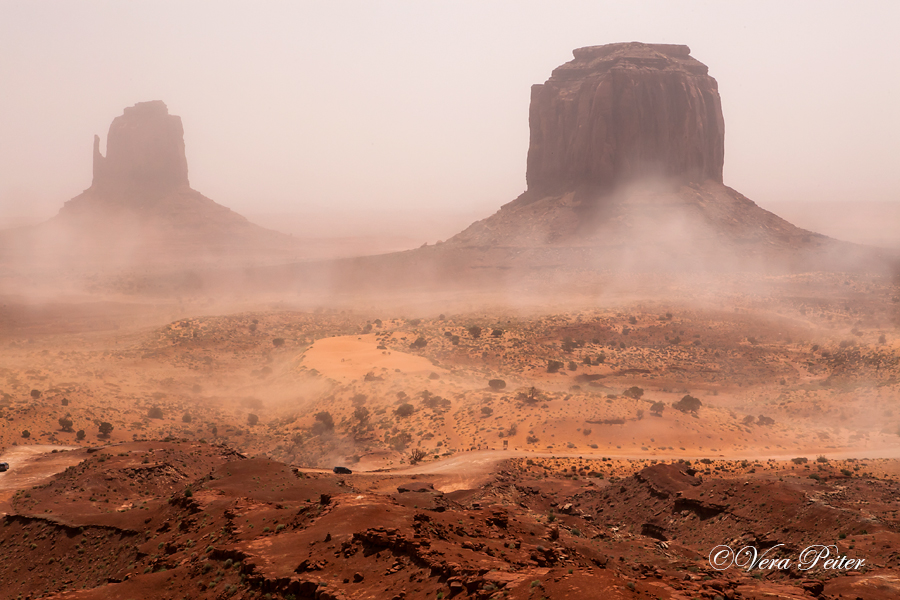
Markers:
<point>144,151</point>
<point>620,112</point>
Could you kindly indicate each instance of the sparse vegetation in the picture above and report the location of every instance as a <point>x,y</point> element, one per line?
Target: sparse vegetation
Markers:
<point>688,403</point>
<point>634,392</point>
<point>404,410</point>
<point>416,456</point>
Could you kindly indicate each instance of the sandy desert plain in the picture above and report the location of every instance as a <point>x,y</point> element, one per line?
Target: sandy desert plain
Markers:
<point>541,448</point>
<point>535,429</point>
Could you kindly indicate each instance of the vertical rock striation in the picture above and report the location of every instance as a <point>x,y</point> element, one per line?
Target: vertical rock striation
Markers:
<point>621,112</point>
<point>144,152</point>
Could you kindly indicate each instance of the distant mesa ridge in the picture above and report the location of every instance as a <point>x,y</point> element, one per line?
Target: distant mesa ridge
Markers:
<point>624,111</point>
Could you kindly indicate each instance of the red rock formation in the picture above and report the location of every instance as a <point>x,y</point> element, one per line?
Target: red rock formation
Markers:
<point>144,151</point>
<point>623,111</point>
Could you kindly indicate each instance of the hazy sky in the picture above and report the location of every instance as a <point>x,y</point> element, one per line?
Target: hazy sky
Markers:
<point>352,106</point>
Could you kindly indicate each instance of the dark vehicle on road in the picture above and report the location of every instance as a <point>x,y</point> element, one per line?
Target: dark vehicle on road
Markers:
<point>4,467</point>
<point>342,470</point>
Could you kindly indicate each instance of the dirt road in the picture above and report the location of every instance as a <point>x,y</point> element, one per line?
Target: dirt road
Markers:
<point>32,465</point>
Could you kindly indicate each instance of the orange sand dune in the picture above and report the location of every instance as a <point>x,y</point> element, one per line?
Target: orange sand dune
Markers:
<point>351,357</point>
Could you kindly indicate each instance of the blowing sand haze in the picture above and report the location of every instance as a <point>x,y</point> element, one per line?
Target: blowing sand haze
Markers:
<point>582,395</point>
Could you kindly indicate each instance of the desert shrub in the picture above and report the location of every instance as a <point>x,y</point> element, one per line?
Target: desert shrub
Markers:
<point>186,418</point>
<point>496,333</point>
<point>404,410</point>
<point>400,441</point>
<point>601,358</point>
<point>361,414</point>
<point>530,396</point>
<point>800,460</point>
<point>420,342</point>
<point>35,394</point>
<point>634,392</point>
<point>487,411</point>
<point>586,431</point>
<point>657,408</point>
<point>359,399</point>
<point>105,428</point>
<point>252,419</point>
<point>278,342</point>
<point>749,420</point>
<point>65,423</point>
<point>64,401</point>
<point>882,339</point>
<point>26,434</point>
<point>640,414</point>
<point>764,420</point>
<point>496,384</point>
<point>155,413</point>
<point>532,439</point>
<point>430,400</point>
<point>586,360</point>
<point>416,455</point>
<point>454,339</point>
<point>324,417</point>
<point>474,331</point>
<point>572,366</point>
<point>846,472</point>
<point>688,404</point>
<point>79,435</point>
<point>553,366</point>
<point>821,459</point>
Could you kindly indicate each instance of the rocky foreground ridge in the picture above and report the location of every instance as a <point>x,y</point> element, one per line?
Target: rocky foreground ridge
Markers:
<point>178,519</point>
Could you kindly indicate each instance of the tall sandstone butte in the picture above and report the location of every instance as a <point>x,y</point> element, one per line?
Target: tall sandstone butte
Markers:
<point>621,112</point>
<point>144,151</point>
<point>141,206</point>
<point>625,169</point>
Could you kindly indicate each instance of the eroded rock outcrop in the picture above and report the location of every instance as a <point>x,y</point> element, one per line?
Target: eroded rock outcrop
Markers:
<point>144,151</point>
<point>620,112</point>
